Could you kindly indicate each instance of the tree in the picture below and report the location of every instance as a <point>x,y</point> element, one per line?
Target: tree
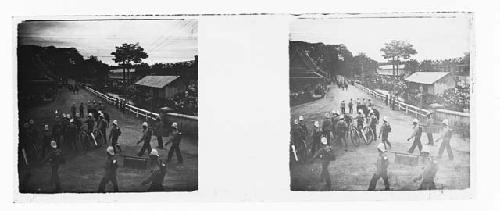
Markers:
<point>126,54</point>
<point>364,65</point>
<point>412,65</point>
<point>395,51</point>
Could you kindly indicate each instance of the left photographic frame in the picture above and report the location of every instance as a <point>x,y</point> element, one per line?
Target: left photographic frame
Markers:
<point>107,105</point>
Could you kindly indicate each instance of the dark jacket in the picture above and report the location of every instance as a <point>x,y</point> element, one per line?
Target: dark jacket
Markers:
<point>110,167</point>
<point>157,176</point>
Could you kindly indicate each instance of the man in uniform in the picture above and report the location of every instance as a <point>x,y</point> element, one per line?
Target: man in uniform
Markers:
<point>326,155</point>
<point>176,141</point>
<point>416,135</point>
<point>157,174</point>
<point>446,134</point>
<point>110,168</point>
<point>71,133</point>
<point>373,121</point>
<point>429,174</point>
<point>158,132</point>
<point>350,106</point>
<point>146,138</point>
<point>55,159</point>
<point>341,131</point>
<point>342,107</point>
<point>385,129</point>
<point>81,110</point>
<point>316,137</point>
<point>73,110</point>
<point>327,127</point>
<point>101,126</point>
<point>428,123</point>
<point>382,165</point>
<point>113,136</point>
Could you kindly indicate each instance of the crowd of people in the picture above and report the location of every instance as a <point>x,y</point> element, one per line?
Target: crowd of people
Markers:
<point>308,92</point>
<point>71,133</point>
<point>336,127</point>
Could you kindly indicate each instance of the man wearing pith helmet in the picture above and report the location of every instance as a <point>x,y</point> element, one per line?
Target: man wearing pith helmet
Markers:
<point>110,168</point>
<point>157,174</point>
<point>55,159</point>
<point>176,141</point>
<point>416,134</point>
<point>113,136</point>
<point>446,137</point>
<point>325,153</point>
<point>382,166</point>
<point>146,138</point>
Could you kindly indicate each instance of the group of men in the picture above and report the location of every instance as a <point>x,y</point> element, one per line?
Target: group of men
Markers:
<point>71,133</point>
<point>334,128</point>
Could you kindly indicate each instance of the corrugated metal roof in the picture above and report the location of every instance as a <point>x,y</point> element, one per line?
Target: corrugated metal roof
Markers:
<point>426,77</point>
<point>389,67</point>
<point>156,81</point>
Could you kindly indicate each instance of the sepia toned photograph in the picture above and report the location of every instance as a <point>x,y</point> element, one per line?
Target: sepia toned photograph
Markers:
<point>380,102</point>
<point>107,105</point>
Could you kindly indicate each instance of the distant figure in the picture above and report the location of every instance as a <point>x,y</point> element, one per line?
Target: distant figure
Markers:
<point>428,123</point>
<point>349,105</point>
<point>446,134</point>
<point>416,135</point>
<point>146,138</point>
<point>73,110</point>
<point>81,110</point>
<point>385,129</point>
<point>176,141</point>
<point>114,134</point>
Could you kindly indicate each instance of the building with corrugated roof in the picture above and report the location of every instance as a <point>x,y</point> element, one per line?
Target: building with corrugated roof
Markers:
<point>431,83</point>
<point>161,86</point>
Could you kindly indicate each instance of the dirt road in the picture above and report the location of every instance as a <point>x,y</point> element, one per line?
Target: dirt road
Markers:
<point>82,172</point>
<point>353,169</point>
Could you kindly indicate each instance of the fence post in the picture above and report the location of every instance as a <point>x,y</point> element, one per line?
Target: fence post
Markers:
<point>137,112</point>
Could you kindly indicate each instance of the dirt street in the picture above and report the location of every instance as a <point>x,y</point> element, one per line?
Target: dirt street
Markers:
<point>352,170</point>
<point>82,172</point>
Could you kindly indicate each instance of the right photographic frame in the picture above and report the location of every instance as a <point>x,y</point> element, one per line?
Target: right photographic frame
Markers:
<point>381,102</point>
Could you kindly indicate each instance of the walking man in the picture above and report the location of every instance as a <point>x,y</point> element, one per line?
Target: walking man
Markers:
<point>113,136</point>
<point>341,131</point>
<point>157,174</point>
<point>342,107</point>
<point>176,141</point>
<point>316,138</point>
<point>146,138</point>
<point>326,155</point>
<point>73,110</point>
<point>385,129</point>
<point>382,165</point>
<point>350,106</point>
<point>429,174</point>
<point>428,123</point>
<point>416,135</point>
<point>110,168</point>
<point>327,127</point>
<point>55,159</point>
<point>446,137</point>
<point>81,110</point>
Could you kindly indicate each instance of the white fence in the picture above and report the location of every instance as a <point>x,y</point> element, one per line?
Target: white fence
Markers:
<point>412,110</point>
<point>138,112</point>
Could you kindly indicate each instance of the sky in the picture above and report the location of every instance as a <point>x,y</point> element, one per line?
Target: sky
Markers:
<point>164,41</point>
<point>433,38</point>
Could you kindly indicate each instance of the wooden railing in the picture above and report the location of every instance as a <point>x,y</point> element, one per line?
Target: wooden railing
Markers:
<point>138,112</point>
<point>412,110</point>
